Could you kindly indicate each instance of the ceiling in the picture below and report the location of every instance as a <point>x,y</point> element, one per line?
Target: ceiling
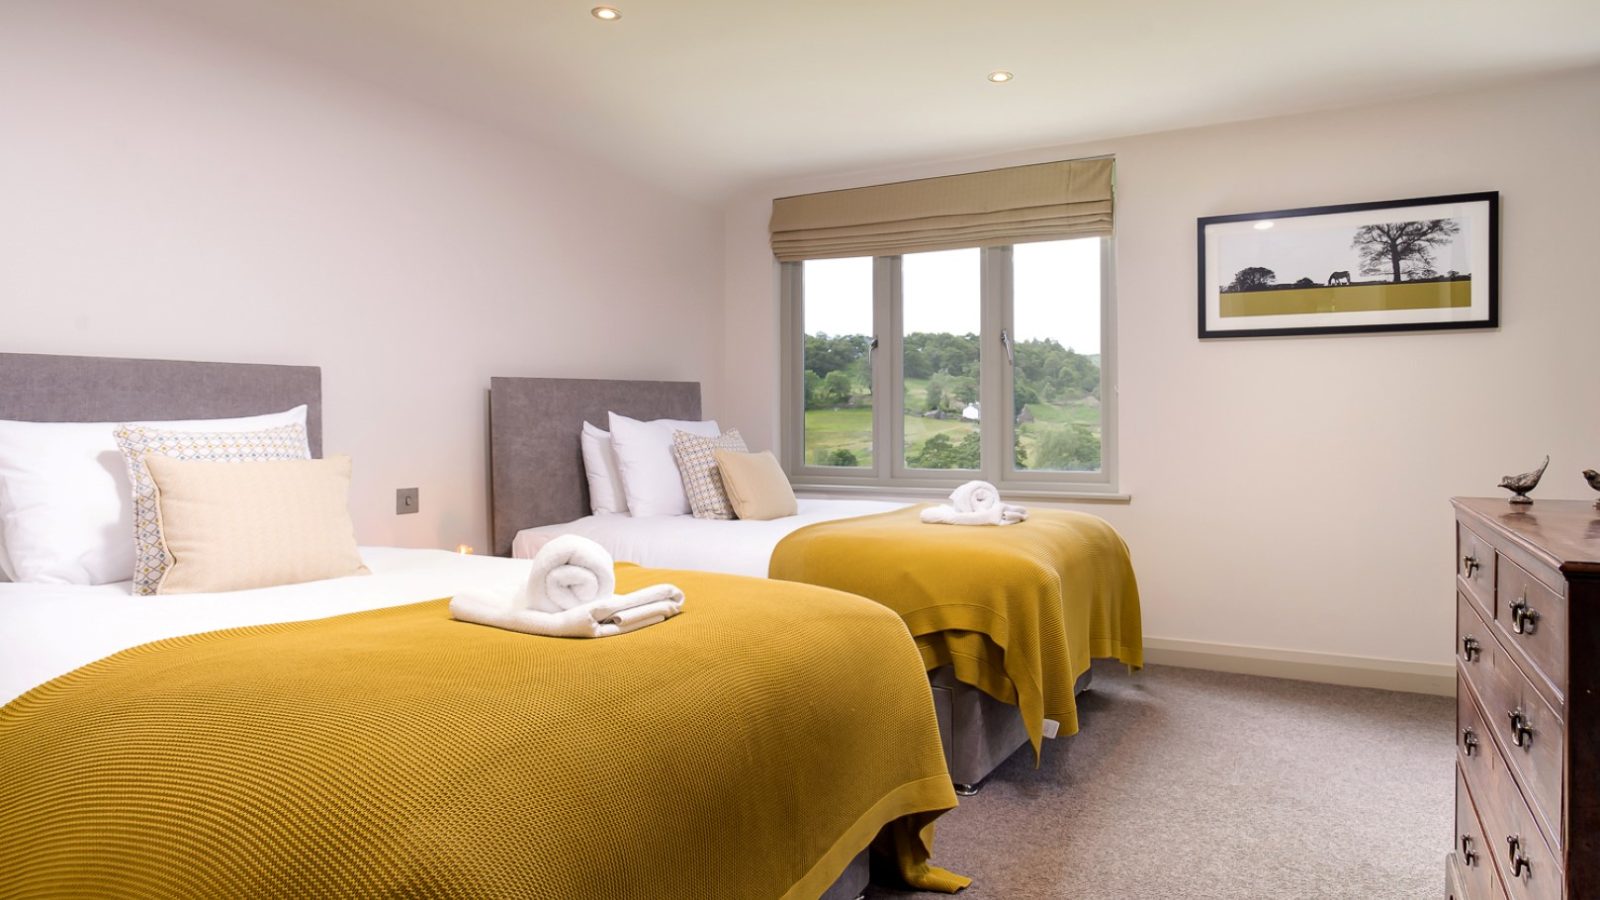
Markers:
<point>707,96</point>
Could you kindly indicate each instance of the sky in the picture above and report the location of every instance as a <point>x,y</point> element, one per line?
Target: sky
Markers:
<point>1298,248</point>
<point>1055,291</point>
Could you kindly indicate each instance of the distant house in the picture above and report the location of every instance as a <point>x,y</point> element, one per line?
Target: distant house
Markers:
<point>1025,416</point>
<point>970,413</point>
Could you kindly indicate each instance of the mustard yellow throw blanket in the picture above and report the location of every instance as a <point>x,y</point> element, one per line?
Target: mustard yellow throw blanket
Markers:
<point>749,748</point>
<point>1017,610</point>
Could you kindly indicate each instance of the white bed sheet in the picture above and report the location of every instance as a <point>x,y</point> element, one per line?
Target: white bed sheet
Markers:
<point>47,630</point>
<point>735,546</point>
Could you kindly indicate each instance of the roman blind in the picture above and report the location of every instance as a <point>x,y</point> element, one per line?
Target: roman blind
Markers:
<point>1043,202</point>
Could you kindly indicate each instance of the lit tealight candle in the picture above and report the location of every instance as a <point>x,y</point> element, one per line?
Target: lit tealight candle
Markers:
<point>464,550</point>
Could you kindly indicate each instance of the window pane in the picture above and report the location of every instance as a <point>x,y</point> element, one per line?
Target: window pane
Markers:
<point>941,304</point>
<point>1056,349</point>
<point>838,361</point>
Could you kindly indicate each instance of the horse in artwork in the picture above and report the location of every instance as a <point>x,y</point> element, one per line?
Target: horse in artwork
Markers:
<point>1338,278</point>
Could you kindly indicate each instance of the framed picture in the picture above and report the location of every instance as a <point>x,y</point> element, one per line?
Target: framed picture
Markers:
<point>1402,265</point>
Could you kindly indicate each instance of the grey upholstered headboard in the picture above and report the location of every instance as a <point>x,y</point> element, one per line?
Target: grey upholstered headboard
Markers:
<point>36,388</point>
<point>536,465</point>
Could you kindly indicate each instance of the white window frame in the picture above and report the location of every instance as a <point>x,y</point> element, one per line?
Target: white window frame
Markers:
<point>888,472</point>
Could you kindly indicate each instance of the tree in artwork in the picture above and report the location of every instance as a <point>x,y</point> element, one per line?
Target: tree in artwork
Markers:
<point>1400,249</point>
<point>1252,278</point>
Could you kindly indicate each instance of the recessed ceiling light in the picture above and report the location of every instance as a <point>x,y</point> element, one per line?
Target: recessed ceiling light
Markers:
<point>1000,76</point>
<point>1263,226</point>
<point>606,13</point>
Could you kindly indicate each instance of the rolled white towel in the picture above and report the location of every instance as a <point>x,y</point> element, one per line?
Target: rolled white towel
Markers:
<point>570,592</point>
<point>975,503</point>
<point>975,496</point>
<point>568,572</point>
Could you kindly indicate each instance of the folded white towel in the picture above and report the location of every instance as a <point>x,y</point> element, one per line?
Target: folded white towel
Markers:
<point>646,613</point>
<point>975,503</point>
<point>600,618</point>
<point>1005,514</point>
<point>568,569</point>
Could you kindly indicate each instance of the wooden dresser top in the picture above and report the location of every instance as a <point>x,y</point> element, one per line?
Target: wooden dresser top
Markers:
<point>1565,534</point>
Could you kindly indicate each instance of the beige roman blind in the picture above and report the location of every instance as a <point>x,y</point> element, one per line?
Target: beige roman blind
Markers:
<point>1043,202</point>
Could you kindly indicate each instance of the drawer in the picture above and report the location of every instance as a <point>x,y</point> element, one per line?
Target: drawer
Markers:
<point>1528,732</point>
<point>1474,745</point>
<point>1475,641</point>
<point>1533,620</point>
<point>1475,564</point>
<point>1527,868</point>
<point>1474,867</point>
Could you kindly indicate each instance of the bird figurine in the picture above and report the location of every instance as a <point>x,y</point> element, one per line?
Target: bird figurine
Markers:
<point>1520,485</point>
<point>1593,478</point>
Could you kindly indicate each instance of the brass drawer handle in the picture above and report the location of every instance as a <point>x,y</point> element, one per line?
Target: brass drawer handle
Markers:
<point>1519,861</point>
<point>1521,730</point>
<point>1524,620</point>
<point>1467,854</point>
<point>1469,742</point>
<point>1470,564</point>
<point>1471,649</point>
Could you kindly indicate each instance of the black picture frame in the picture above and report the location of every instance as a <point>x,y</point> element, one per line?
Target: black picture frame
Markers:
<point>1488,316</point>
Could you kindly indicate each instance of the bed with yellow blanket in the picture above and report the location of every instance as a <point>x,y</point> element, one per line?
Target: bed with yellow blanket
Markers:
<point>1007,618</point>
<point>750,747</point>
<point>1017,611</point>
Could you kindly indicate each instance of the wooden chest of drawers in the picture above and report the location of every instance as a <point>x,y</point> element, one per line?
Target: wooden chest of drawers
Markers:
<point>1528,701</point>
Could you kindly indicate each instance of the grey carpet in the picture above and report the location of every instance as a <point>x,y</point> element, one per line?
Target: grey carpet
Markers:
<point>1185,783</point>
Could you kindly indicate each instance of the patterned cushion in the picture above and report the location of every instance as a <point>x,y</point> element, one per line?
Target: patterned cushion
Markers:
<point>137,441</point>
<point>697,463</point>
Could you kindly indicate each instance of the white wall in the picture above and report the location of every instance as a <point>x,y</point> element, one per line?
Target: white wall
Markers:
<point>168,190</point>
<point>1293,493</point>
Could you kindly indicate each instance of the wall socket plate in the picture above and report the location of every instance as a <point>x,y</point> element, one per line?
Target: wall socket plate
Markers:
<point>406,501</point>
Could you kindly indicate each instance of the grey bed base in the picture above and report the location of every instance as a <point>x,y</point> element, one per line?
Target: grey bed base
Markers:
<point>852,883</point>
<point>979,731</point>
<point>537,478</point>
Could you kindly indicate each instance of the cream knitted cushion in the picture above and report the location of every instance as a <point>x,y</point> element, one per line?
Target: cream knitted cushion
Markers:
<point>231,526</point>
<point>756,485</point>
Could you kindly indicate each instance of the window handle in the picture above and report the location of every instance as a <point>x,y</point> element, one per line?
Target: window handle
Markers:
<point>1005,341</point>
<point>874,344</point>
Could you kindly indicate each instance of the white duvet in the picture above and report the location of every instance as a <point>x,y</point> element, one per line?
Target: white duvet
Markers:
<point>47,630</point>
<point>736,546</point>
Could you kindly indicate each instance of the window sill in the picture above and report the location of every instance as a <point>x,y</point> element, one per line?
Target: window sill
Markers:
<point>923,494</point>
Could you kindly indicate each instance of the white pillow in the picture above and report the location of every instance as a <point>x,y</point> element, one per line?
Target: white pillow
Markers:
<point>650,478</point>
<point>66,507</point>
<point>600,466</point>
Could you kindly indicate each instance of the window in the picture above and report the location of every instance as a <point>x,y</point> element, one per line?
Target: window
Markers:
<point>924,370</point>
<point>836,362</point>
<point>941,310</point>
